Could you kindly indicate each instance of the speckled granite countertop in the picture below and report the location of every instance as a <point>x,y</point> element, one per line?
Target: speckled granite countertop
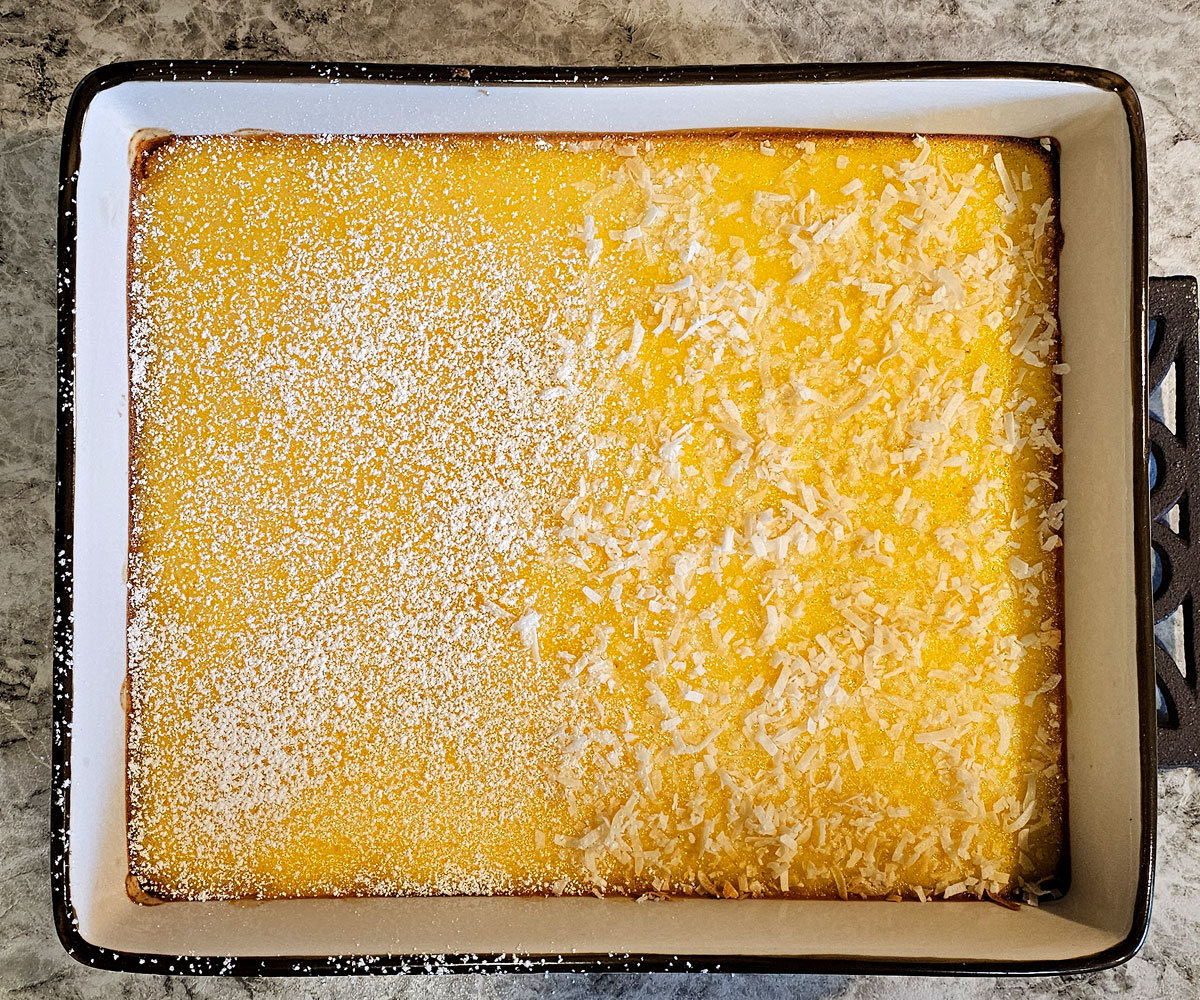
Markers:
<point>46,46</point>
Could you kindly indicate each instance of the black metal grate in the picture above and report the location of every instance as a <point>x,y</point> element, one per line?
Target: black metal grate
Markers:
<point>1174,432</point>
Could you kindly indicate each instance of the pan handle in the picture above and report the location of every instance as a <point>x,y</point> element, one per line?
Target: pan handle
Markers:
<point>1174,431</point>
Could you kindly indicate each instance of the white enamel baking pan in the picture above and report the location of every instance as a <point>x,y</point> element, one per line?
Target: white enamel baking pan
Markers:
<point>1102,917</point>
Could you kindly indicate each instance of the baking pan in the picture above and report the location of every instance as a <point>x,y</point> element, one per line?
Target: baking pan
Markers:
<point>1109,611</point>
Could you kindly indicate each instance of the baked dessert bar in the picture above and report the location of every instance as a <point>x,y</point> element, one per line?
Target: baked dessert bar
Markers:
<point>664,514</point>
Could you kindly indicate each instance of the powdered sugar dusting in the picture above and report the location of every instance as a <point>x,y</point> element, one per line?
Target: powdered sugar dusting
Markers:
<point>337,412</point>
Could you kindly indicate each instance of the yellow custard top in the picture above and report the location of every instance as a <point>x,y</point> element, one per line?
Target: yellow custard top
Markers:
<point>524,514</point>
